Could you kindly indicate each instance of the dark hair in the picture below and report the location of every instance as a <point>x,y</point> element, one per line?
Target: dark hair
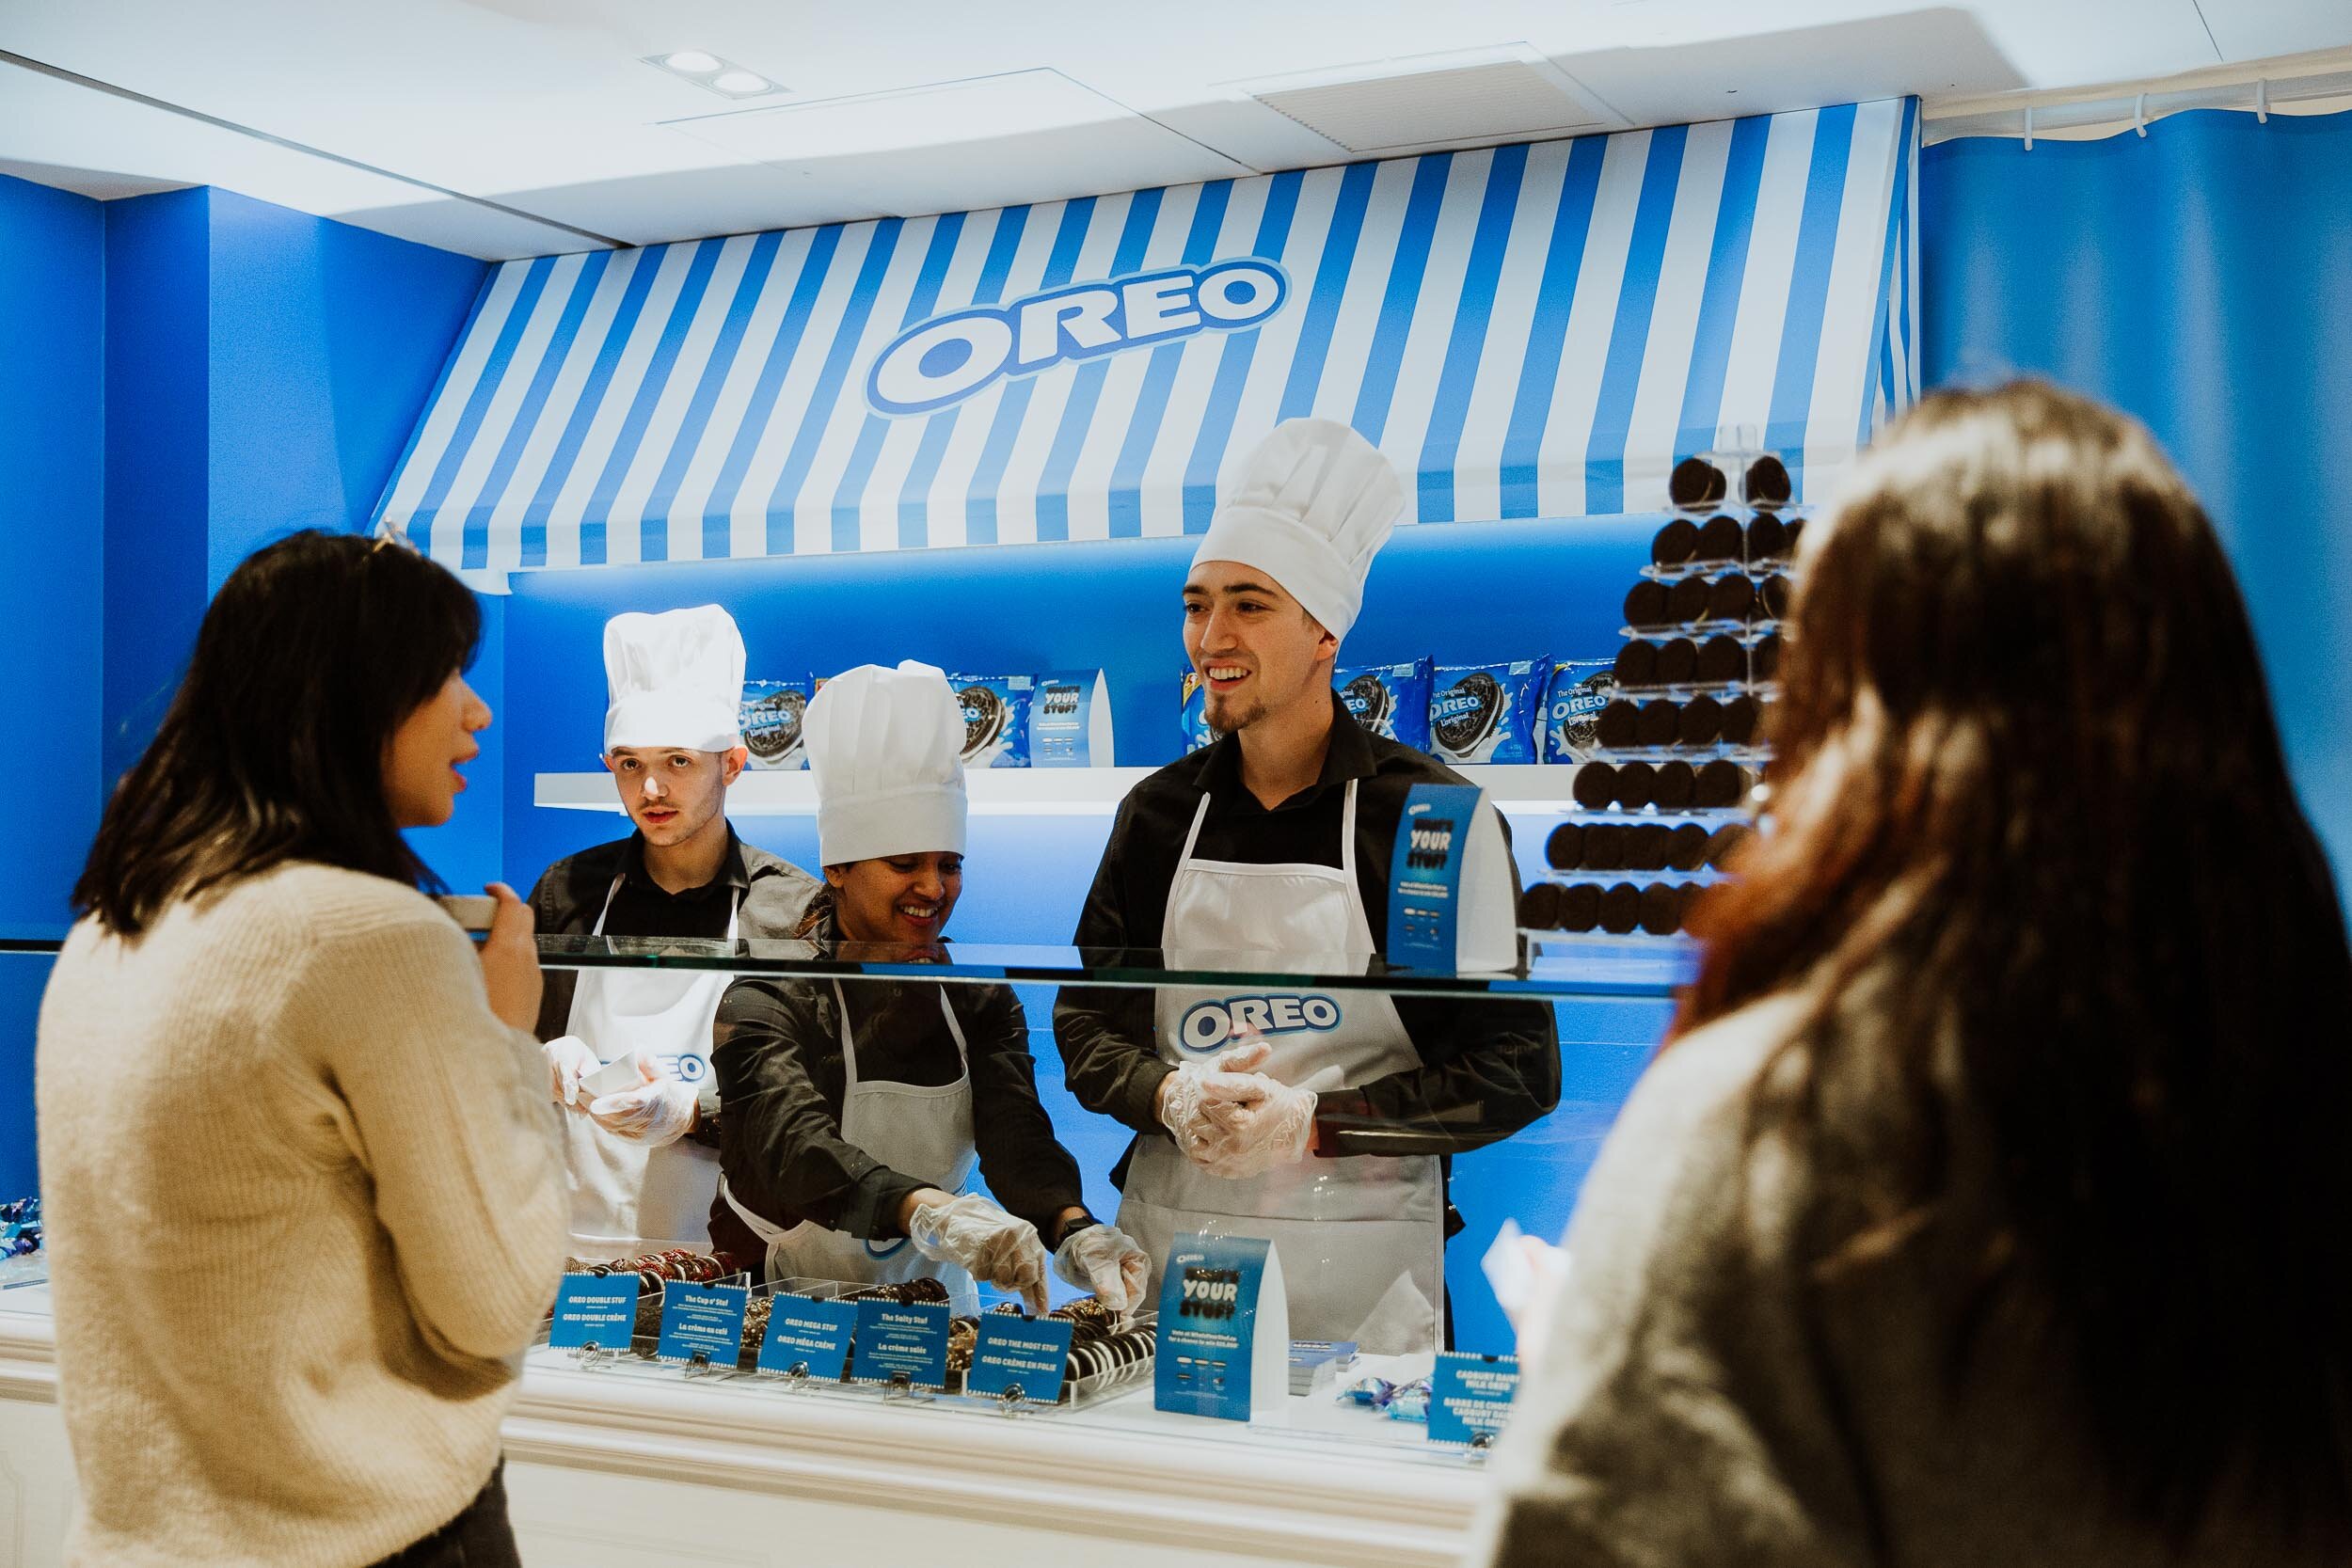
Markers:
<point>309,658</point>
<point>2037,863</point>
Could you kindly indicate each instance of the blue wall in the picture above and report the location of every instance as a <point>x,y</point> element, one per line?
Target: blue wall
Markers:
<point>52,495</point>
<point>1464,592</point>
<point>189,376</point>
<point>2200,278</point>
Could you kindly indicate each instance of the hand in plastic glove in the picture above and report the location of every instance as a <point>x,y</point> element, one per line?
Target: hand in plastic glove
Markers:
<point>1529,1277</point>
<point>659,1110</point>
<point>1200,1104</point>
<point>570,1060</point>
<point>1274,1130</point>
<point>1105,1260</point>
<point>991,1244</point>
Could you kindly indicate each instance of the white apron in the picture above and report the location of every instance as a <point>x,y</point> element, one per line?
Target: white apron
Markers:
<point>624,1195</point>
<point>1362,1237</point>
<point>922,1131</point>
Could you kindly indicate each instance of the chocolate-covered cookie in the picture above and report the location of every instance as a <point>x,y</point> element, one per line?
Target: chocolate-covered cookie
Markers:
<point>1740,716</point>
<point>1676,783</point>
<point>1646,851</point>
<point>1636,782</point>
<point>1767,481</point>
<point>1653,724</point>
<point>1730,600</point>
<point>1594,786</point>
<point>1604,847</point>
<point>1675,542</point>
<point>1647,605</point>
<point>1637,663</point>
<point>1539,907</point>
<point>1678,661</point>
<point>1686,848</point>
<point>1764,658</point>
<point>1661,913</point>
<point>1721,660</point>
<point>1772,598</point>
<point>1767,538</point>
<point>1564,849</point>
<point>1719,539</point>
<point>1696,481</point>
<point>1721,786</point>
<point>1617,724</point>
<point>1724,842</point>
<point>1580,908</point>
<point>1687,601</point>
<point>1699,722</point>
<point>1621,909</point>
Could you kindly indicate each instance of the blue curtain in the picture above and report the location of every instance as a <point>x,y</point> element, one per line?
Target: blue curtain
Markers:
<point>2200,278</point>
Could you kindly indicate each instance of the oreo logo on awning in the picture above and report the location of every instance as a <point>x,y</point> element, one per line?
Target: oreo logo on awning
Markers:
<point>944,360</point>
<point>1210,1025</point>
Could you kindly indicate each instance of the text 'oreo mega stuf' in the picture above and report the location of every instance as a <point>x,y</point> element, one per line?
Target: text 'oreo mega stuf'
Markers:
<point>1489,712</point>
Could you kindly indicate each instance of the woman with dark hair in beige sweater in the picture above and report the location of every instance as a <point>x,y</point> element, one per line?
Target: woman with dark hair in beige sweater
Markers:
<point>1986,1206</point>
<point>296,1151</point>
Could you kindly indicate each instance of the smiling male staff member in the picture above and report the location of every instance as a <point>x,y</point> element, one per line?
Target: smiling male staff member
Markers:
<point>673,745</point>
<point>1327,1130</point>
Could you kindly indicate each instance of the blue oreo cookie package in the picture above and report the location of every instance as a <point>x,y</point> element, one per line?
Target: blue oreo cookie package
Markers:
<point>770,719</point>
<point>1194,718</point>
<point>1489,713</point>
<point>995,718</point>
<point>1392,700</point>
<point>1580,687</point>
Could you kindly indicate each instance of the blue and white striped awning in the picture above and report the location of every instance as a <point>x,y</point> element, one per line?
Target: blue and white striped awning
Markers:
<point>1531,331</point>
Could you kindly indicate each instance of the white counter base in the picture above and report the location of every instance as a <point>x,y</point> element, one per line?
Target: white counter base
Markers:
<point>624,1469</point>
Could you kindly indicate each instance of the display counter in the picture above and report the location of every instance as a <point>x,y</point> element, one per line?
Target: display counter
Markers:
<point>645,1466</point>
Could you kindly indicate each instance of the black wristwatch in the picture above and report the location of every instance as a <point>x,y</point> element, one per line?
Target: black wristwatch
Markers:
<point>1085,1221</point>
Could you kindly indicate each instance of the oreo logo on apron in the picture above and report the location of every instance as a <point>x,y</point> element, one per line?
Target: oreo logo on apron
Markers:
<point>1208,1025</point>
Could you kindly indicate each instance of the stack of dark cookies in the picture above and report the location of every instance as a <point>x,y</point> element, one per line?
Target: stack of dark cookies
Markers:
<point>1661,809</point>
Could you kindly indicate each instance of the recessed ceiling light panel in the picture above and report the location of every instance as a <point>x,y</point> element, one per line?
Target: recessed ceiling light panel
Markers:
<point>713,73</point>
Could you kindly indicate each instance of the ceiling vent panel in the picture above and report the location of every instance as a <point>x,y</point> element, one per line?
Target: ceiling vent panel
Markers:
<point>1437,101</point>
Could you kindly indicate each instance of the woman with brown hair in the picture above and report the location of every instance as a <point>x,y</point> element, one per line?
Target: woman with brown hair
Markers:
<point>1986,1205</point>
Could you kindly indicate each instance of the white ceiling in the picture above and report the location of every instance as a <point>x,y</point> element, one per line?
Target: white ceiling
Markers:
<point>518,127</point>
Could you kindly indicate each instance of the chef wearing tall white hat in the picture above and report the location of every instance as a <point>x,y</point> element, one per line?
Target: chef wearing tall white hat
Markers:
<point>857,1115</point>
<point>641,1155</point>
<point>1322,1121</point>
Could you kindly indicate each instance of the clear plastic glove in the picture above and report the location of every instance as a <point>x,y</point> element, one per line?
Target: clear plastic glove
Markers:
<point>1274,1130</point>
<point>994,1247</point>
<point>570,1060</point>
<point>1201,1104</point>
<point>659,1110</point>
<point>1105,1260</point>
<point>1529,1277</point>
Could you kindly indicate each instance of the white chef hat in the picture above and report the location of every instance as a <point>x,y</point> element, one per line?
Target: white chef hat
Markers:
<point>676,679</point>
<point>885,746</point>
<point>1313,505</point>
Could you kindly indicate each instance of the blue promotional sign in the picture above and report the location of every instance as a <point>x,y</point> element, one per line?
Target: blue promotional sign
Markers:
<point>701,1319</point>
<point>595,1309</point>
<point>1425,875</point>
<point>1027,1353</point>
<point>810,1334</point>
<point>1470,1395</point>
<point>894,1338</point>
<point>1224,1328</point>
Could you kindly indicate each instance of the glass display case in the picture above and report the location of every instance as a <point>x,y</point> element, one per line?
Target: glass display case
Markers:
<point>1499,1088</point>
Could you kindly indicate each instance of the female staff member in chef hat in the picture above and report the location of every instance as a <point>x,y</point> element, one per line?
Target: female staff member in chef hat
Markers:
<point>856,1113</point>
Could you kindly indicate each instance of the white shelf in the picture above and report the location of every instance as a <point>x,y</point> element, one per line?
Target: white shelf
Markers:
<point>1022,791</point>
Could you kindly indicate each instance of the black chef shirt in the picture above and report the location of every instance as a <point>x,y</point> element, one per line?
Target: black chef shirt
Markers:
<point>782,1078</point>
<point>1488,1069</point>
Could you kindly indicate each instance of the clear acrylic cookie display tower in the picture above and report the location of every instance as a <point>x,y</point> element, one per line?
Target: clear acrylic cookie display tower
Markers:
<point>1664,795</point>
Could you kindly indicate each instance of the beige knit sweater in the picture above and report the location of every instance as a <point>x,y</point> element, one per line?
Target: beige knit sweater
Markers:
<point>304,1212</point>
